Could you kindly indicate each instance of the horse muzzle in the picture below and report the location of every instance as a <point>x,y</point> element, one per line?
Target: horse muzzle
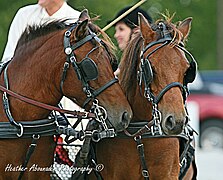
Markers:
<point>172,125</point>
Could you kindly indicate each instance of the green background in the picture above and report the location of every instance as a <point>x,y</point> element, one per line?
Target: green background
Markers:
<point>202,42</point>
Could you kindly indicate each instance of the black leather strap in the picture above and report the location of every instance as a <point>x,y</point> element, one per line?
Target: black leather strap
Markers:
<point>167,88</point>
<point>29,153</point>
<point>95,93</point>
<point>140,148</point>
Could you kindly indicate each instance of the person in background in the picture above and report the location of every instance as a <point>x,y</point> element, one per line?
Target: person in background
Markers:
<point>126,27</point>
<point>44,11</point>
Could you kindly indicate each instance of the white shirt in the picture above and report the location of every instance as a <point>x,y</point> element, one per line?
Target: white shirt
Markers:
<point>34,15</point>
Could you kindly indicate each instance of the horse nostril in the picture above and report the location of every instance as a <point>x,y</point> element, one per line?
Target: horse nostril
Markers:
<point>126,117</point>
<point>170,122</point>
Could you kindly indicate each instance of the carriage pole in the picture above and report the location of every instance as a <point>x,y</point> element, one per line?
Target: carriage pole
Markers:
<point>123,15</point>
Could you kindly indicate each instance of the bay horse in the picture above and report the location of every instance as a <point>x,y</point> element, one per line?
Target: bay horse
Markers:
<point>154,71</point>
<point>52,61</point>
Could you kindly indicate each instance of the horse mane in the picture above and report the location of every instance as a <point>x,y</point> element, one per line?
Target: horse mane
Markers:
<point>176,35</point>
<point>129,63</point>
<point>131,55</point>
<point>110,47</point>
<point>35,31</point>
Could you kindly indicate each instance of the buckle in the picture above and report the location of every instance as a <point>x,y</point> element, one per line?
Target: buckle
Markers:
<point>85,115</point>
<point>145,173</point>
<point>67,33</point>
<point>183,162</point>
<point>21,130</point>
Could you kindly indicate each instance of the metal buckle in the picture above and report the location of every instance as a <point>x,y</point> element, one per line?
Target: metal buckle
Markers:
<point>67,33</point>
<point>184,161</point>
<point>21,130</point>
<point>36,136</point>
<point>145,173</point>
<point>85,115</point>
<point>137,137</point>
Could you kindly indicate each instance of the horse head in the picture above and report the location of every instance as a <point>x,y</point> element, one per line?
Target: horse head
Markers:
<point>161,73</point>
<point>92,59</point>
<point>58,60</point>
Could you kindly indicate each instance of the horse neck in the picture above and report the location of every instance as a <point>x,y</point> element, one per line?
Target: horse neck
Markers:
<point>141,107</point>
<point>35,73</point>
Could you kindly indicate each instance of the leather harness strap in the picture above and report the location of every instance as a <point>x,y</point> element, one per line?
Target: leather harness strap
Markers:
<point>140,148</point>
<point>29,153</point>
<point>46,106</point>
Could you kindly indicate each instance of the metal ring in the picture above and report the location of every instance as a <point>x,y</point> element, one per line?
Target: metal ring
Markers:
<point>21,130</point>
<point>94,137</point>
<point>85,115</point>
<point>137,137</point>
<point>72,58</point>
<point>68,33</point>
<point>36,136</point>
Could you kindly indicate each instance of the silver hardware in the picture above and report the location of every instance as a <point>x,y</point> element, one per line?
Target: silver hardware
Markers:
<point>21,130</point>
<point>68,51</point>
<point>36,136</point>
<point>100,113</point>
<point>68,33</point>
<point>184,161</point>
<point>145,173</point>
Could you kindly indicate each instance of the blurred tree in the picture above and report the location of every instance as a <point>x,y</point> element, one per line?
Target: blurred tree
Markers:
<point>202,40</point>
<point>8,9</point>
<point>219,34</point>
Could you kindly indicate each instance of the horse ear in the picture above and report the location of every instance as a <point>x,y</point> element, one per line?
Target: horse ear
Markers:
<point>84,15</point>
<point>146,30</point>
<point>81,30</point>
<point>185,26</point>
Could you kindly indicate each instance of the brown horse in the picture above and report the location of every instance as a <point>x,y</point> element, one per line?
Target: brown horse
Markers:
<point>50,62</point>
<point>150,148</point>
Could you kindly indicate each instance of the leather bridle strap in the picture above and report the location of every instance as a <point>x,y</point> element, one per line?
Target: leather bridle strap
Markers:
<point>95,93</point>
<point>167,88</point>
<point>46,106</point>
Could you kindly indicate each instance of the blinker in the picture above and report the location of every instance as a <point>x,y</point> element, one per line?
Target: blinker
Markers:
<point>147,72</point>
<point>88,69</point>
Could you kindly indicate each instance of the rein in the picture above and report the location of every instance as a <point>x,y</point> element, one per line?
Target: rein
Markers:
<point>5,91</point>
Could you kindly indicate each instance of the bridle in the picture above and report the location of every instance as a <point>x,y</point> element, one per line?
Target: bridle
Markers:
<point>145,74</point>
<point>86,70</point>
<point>145,129</point>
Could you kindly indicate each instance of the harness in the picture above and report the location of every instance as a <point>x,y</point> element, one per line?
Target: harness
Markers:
<point>86,70</point>
<point>152,129</point>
